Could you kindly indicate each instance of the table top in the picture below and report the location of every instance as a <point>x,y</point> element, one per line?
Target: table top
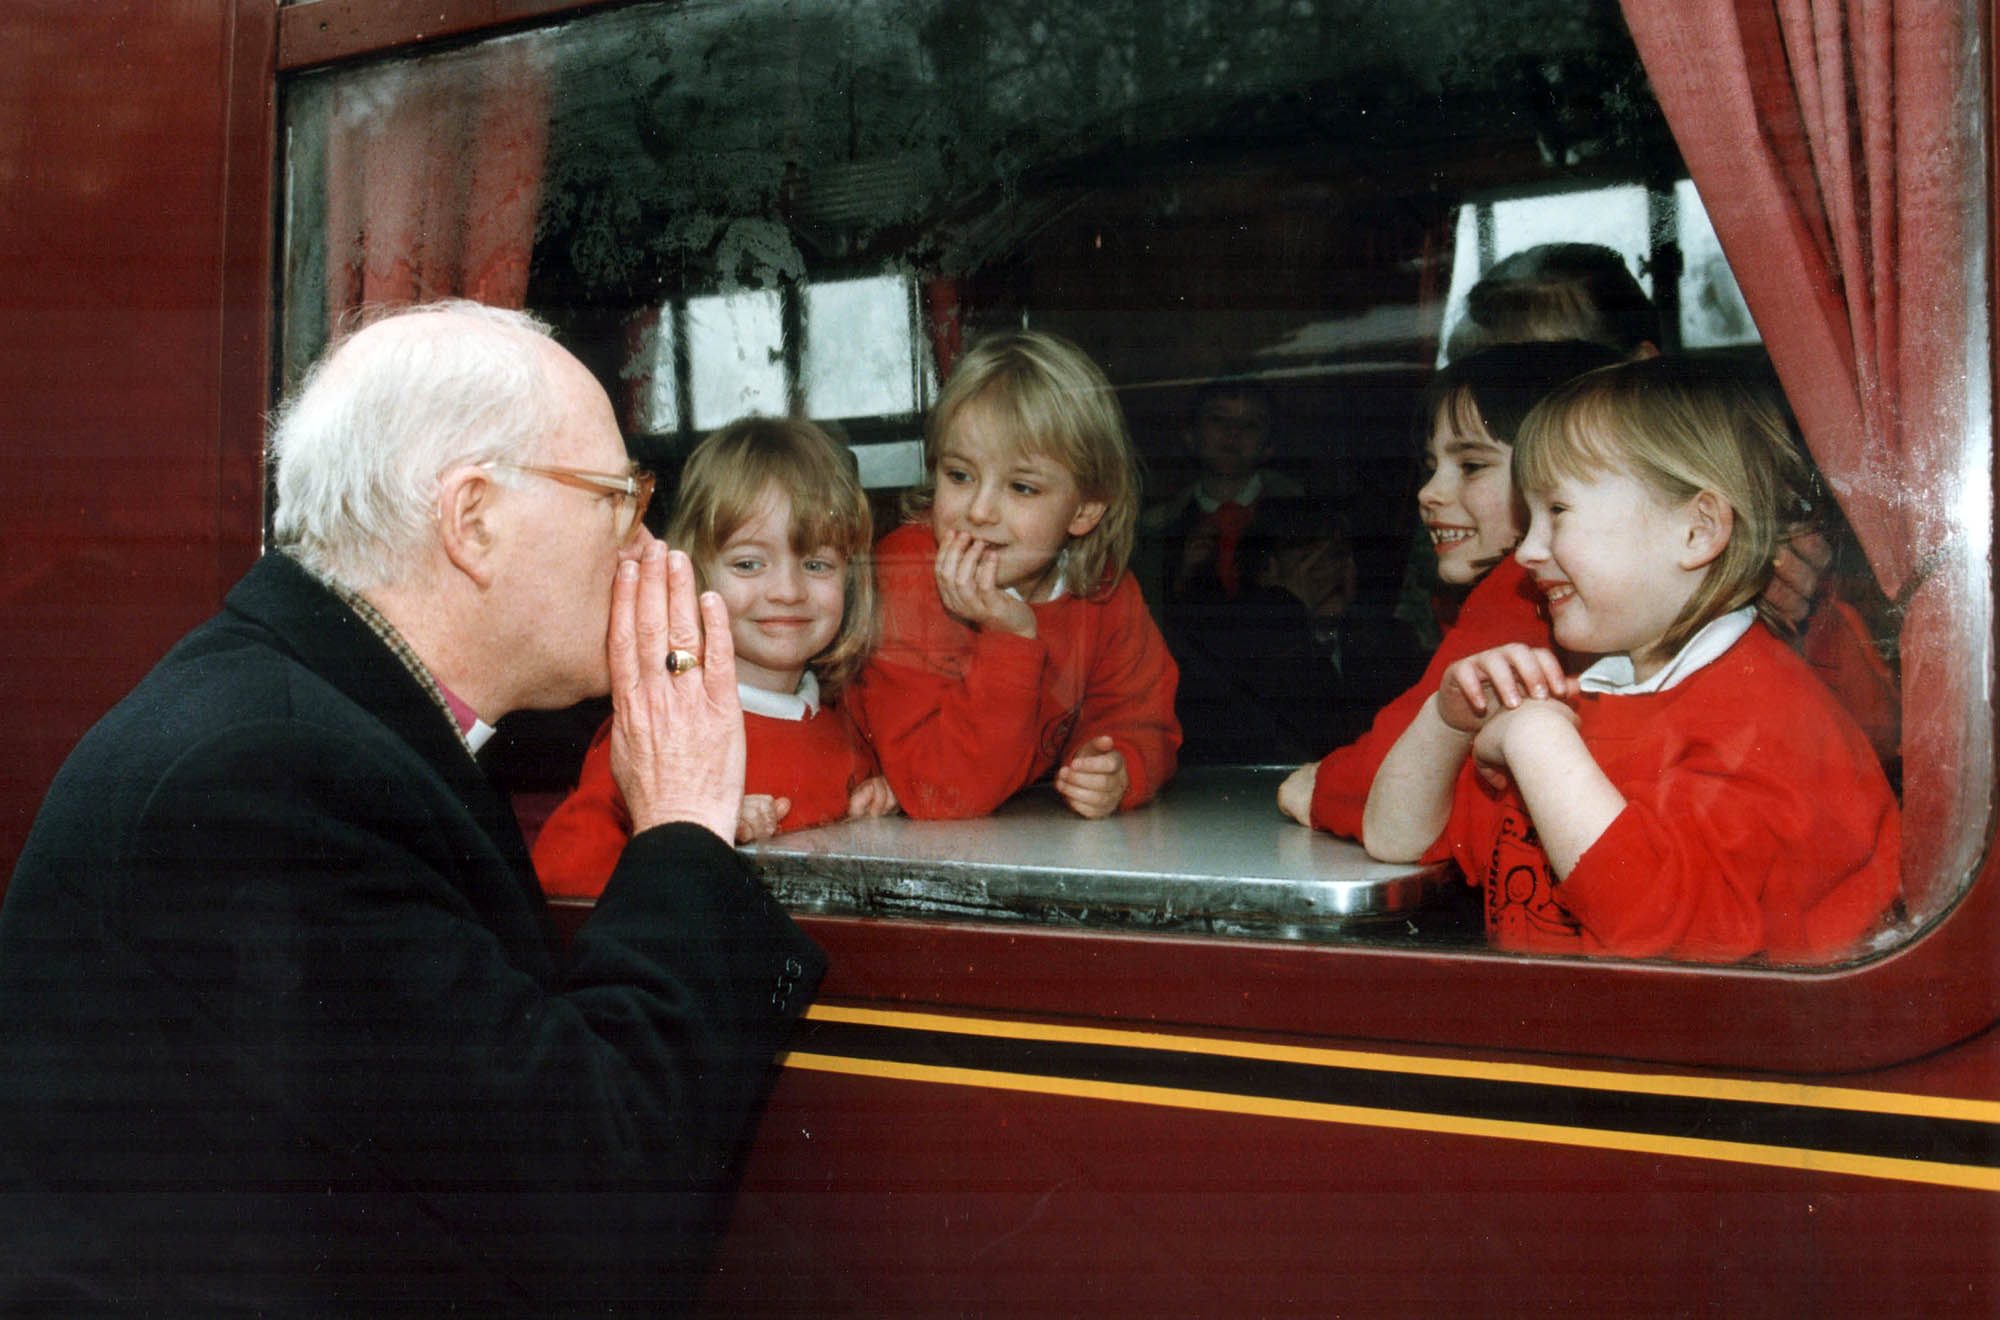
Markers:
<point>1212,853</point>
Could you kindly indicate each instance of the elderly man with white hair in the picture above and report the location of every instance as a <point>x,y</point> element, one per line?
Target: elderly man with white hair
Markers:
<point>284,1025</point>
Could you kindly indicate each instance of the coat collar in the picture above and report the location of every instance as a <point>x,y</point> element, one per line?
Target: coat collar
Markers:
<point>327,637</point>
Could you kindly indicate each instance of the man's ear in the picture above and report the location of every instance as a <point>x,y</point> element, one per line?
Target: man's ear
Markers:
<point>467,526</point>
<point>1088,515</point>
<point>1708,523</point>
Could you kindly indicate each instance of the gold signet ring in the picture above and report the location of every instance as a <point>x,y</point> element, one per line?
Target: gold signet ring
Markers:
<point>680,662</point>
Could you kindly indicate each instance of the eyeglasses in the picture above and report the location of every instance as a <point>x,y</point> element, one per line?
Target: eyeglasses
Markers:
<point>637,489</point>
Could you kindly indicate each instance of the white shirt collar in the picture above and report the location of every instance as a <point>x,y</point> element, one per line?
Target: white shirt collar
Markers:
<point>1062,574</point>
<point>476,736</point>
<point>800,705</point>
<point>1248,495</point>
<point>1612,675</point>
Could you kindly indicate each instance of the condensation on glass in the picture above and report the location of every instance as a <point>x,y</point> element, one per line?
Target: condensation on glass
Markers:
<point>790,206</point>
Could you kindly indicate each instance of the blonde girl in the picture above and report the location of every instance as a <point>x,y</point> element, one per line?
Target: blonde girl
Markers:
<point>1014,642</point>
<point>1696,792</point>
<point>771,514</point>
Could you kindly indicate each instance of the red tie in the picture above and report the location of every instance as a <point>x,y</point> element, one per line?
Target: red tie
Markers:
<point>1230,520</point>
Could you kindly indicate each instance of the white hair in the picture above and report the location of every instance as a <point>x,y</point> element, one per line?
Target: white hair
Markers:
<point>361,444</point>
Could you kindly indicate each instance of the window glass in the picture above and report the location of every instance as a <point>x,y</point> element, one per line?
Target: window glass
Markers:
<point>736,351</point>
<point>1713,314</point>
<point>812,206</point>
<point>651,374</point>
<point>860,348</point>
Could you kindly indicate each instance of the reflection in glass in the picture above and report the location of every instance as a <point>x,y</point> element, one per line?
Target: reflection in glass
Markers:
<point>656,402</point>
<point>1637,223</point>
<point>860,350</point>
<point>1713,314</point>
<point>736,354</point>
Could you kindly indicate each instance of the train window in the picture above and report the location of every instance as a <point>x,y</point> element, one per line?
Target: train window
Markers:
<point>811,207</point>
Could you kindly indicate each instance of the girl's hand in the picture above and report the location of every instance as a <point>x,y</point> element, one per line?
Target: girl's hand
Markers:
<point>1511,674</point>
<point>967,572</point>
<point>1321,577</point>
<point>1095,780</point>
<point>871,797</point>
<point>1295,795</point>
<point>1198,551</point>
<point>759,816</point>
<point>1489,746</point>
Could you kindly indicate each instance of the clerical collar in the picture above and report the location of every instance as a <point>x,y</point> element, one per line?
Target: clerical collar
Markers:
<point>471,729</point>
<point>800,705</point>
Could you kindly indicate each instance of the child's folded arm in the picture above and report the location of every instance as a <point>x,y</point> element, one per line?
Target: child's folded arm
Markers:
<point>954,745</point>
<point>1409,802</point>
<point>1567,794</point>
<point>1344,775</point>
<point>1130,697</point>
<point>1503,608</point>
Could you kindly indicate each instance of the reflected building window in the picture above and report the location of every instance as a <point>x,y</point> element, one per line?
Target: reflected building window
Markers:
<point>1650,228</point>
<point>854,352</point>
<point>736,356</point>
<point>860,348</point>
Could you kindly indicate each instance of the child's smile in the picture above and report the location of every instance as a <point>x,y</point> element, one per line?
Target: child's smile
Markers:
<point>785,606</point>
<point>1468,502</point>
<point>1607,555</point>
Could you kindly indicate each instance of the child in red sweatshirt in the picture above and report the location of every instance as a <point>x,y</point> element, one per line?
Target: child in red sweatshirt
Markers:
<point>1013,641</point>
<point>774,520</point>
<point>1696,792</point>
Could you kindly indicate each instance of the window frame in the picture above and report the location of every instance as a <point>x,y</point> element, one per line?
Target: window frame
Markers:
<point>1935,989</point>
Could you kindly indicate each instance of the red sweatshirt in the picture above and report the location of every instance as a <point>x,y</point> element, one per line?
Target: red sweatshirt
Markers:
<point>1503,607</point>
<point>816,762</point>
<point>1757,821</point>
<point>962,717</point>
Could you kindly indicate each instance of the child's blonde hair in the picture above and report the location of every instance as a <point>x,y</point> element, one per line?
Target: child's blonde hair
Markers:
<point>1047,394</point>
<point>725,480</point>
<point>1681,426</point>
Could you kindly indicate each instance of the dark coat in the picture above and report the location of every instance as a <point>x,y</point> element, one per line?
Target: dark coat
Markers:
<point>284,1027</point>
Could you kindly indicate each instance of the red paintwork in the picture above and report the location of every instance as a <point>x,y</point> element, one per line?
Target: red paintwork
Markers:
<point>1931,994</point>
<point>866,1199</point>
<point>128,415</point>
<point>135,182</point>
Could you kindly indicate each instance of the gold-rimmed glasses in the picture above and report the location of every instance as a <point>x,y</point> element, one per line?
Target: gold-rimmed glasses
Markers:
<point>636,487</point>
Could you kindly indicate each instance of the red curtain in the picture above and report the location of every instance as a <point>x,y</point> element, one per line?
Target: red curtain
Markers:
<point>434,172</point>
<point>1824,138</point>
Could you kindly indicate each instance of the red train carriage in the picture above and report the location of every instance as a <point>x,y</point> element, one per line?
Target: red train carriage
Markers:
<point>1191,1060</point>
